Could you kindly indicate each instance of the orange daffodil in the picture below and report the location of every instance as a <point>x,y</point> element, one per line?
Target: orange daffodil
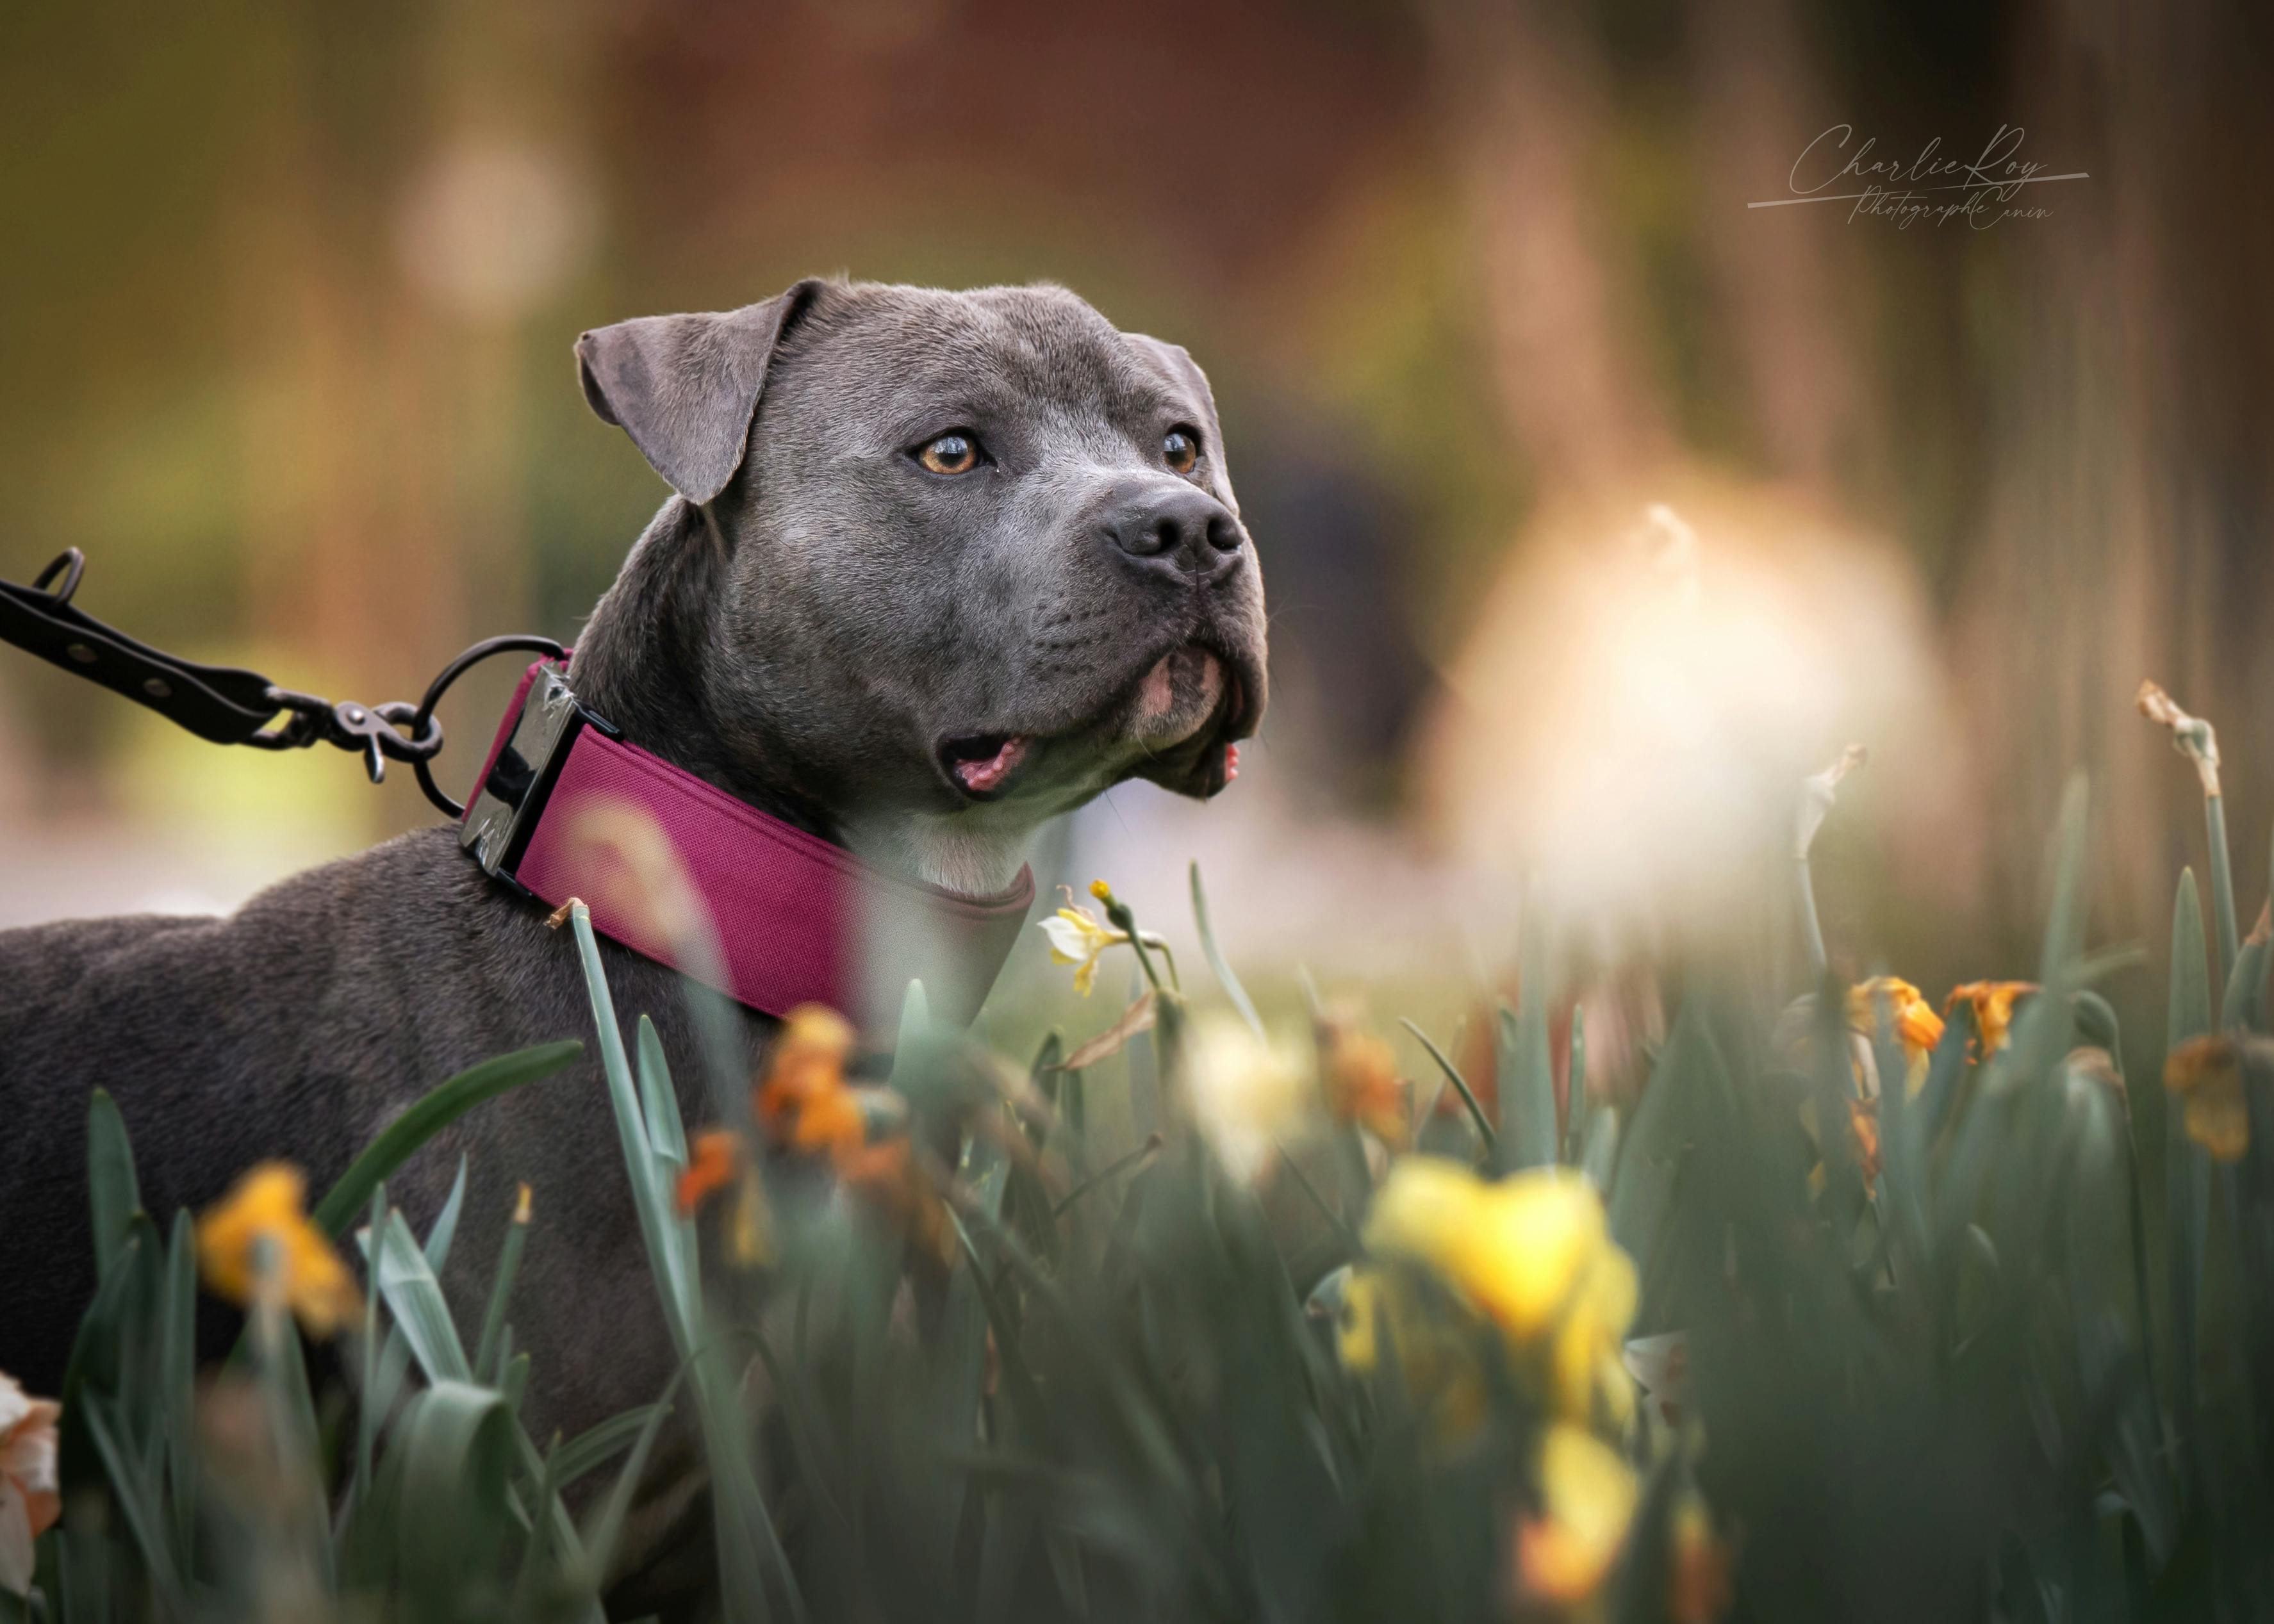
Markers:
<point>1358,1072</point>
<point>804,1105</point>
<point>1992,1002</point>
<point>29,1503</point>
<point>256,1243</point>
<point>1916,1026</point>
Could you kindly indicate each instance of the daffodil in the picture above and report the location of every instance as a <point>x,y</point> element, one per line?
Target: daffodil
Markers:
<point>1359,1074</point>
<point>257,1239</point>
<point>1916,1026</point>
<point>2207,1073</point>
<point>803,1100</point>
<point>1246,1091</point>
<point>1586,1499</point>
<point>1992,1002</point>
<point>1080,938</point>
<point>1533,1254</point>
<point>1437,1361</point>
<point>29,1503</point>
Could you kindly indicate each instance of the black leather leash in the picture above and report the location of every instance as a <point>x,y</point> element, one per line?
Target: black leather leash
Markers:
<point>224,704</point>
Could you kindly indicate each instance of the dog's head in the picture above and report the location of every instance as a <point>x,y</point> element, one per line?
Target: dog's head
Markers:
<point>974,557</point>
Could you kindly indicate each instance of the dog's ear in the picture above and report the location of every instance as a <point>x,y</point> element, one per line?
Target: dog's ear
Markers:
<point>685,387</point>
<point>1177,362</point>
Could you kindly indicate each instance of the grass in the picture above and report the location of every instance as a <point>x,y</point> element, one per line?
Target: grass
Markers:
<point>984,1366</point>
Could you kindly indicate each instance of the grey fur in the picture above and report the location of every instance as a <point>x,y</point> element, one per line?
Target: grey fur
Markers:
<point>806,618</point>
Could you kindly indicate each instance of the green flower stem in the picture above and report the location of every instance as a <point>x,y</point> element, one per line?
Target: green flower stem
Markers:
<point>2221,888</point>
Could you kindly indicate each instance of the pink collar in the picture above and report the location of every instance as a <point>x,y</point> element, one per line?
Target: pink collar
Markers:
<point>565,808</point>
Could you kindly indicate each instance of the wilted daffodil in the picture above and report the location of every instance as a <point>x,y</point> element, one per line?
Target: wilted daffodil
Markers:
<point>29,1504</point>
<point>1916,1026</point>
<point>1533,1254</point>
<point>1992,1002</point>
<point>1587,1493</point>
<point>264,1214</point>
<point>2207,1075</point>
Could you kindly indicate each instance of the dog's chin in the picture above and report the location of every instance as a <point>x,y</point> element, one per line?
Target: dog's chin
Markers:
<point>1173,725</point>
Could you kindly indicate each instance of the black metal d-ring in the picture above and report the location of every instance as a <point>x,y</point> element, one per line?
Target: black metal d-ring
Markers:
<point>450,673</point>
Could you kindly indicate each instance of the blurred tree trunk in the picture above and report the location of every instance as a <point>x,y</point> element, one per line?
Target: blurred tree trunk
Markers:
<point>1529,124</point>
<point>2130,531</point>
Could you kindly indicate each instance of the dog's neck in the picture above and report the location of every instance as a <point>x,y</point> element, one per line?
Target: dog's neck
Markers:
<point>639,664</point>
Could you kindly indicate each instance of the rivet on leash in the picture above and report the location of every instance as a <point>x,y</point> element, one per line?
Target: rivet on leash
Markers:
<point>559,915</point>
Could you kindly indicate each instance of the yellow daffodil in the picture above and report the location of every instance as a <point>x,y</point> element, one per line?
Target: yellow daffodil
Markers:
<point>1993,1003</point>
<point>1359,1074</point>
<point>1533,1254</point>
<point>265,1212</point>
<point>29,1503</point>
<point>1587,1494</point>
<point>1079,938</point>
<point>1436,1359</point>
<point>2206,1074</point>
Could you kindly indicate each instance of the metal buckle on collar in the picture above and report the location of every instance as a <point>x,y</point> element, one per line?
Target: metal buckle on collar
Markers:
<point>509,799</point>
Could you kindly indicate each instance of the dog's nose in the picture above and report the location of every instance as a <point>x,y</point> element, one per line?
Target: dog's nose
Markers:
<point>1182,533</point>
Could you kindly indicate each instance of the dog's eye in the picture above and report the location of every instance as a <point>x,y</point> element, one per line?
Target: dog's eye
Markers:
<point>950,454</point>
<point>1182,448</point>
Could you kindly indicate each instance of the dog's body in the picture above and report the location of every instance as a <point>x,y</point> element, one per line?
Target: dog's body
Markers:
<point>938,566</point>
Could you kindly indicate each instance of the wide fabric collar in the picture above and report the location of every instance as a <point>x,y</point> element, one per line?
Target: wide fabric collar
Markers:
<point>679,871</point>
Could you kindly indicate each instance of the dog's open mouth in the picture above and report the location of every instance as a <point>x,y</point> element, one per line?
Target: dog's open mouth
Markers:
<point>1183,709</point>
<point>985,764</point>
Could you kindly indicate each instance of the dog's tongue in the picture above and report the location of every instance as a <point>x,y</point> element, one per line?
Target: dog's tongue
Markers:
<point>981,774</point>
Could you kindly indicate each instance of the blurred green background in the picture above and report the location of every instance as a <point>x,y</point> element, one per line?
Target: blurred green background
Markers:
<point>292,288</point>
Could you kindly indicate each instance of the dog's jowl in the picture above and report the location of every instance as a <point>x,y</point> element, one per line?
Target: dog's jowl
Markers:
<point>935,566</point>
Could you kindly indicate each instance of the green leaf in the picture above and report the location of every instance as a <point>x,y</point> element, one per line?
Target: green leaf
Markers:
<point>406,1280</point>
<point>112,1190</point>
<point>177,1372</point>
<point>508,1266</point>
<point>1526,1075</point>
<point>658,1101</point>
<point>436,1110</point>
<point>453,1448</point>
<point>602,1442</point>
<point>600,1541</point>
<point>737,1508</point>
<point>1460,1083</point>
<point>1224,977</point>
<point>134,1498</point>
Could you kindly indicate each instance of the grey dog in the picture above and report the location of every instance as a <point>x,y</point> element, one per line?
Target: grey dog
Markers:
<point>936,567</point>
